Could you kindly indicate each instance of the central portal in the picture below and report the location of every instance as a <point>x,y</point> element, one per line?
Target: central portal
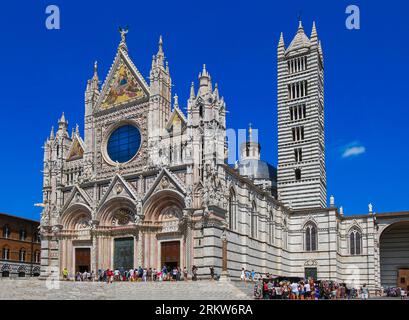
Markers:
<point>170,254</point>
<point>124,253</point>
<point>82,260</point>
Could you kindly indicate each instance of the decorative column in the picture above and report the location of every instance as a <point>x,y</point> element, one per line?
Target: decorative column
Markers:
<point>139,249</point>
<point>94,249</point>
<point>225,273</point>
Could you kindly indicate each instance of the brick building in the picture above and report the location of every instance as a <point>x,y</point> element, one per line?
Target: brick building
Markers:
<point>20,247</point>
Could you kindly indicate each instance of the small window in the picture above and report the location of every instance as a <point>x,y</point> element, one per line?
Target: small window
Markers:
<point>6,231</point>
<point>298,174</point>
<point>23,235</point>
<point>22,255</point>
<point>37,256</point>
<point>6,254</point>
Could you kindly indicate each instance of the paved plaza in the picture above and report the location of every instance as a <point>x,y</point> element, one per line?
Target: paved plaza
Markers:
<point>35,289</point>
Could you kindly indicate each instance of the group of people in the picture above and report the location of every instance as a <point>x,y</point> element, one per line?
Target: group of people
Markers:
<point>167,273</point>
<point>270,287</point>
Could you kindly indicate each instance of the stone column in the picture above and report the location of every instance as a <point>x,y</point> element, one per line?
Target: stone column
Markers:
<point>139,249</point>
<point>225,273</point>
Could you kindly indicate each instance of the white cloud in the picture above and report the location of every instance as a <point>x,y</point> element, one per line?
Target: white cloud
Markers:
<point>353,151</point>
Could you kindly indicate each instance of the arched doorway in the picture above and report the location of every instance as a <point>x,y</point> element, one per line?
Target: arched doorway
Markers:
<point>394,255</point>
<point>164,214</point>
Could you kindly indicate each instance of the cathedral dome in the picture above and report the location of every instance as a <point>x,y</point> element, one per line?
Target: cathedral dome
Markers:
<point>257,169</point>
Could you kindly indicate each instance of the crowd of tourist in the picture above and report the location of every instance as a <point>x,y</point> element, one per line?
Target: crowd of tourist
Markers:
<point>306,289</point>
<point>269,287</point>
<point>266,286</point>
<point>140,274</point>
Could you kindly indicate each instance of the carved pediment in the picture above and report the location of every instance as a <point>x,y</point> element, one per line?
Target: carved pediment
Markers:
<point>118,188</point>
<point>77,196</point>
<point>123,85</point>
<point>166,181</point>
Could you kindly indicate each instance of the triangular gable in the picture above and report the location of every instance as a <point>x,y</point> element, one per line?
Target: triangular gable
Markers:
<point>77,196</point>
<point>118,187</point>
<point>76,150</point>
<point>123,84</point>
<point>176,119</point>
<point>165,180</point>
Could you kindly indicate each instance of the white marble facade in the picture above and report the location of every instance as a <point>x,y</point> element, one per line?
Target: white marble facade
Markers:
<point>177,188</point>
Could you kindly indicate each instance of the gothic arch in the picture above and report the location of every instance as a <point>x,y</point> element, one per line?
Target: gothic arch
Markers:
<point>109,209</point>
<point>76,216</point>
<point>160,201</point>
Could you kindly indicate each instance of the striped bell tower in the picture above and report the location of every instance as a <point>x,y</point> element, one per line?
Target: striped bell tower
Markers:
<point>301,143</point>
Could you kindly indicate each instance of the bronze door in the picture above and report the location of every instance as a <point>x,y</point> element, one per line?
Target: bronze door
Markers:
<point>403,278</point>
<point>170,254</point>
<point>82,259</point>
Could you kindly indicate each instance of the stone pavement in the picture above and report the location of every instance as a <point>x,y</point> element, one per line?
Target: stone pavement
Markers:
<point>34,289</point>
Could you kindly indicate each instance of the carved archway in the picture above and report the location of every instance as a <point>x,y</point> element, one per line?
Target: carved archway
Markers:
<point>76,217</point>
<point>117,211</point>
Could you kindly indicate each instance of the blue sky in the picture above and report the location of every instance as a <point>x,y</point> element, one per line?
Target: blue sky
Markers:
<point>44,72</point>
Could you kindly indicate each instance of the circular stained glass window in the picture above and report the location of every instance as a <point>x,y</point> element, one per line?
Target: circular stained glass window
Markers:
<point>124,143</point>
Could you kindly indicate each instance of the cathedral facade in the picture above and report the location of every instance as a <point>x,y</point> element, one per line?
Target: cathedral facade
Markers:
<point>149,185</point>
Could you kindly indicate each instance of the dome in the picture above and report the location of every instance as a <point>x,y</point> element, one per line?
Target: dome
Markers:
<point>257,169</point>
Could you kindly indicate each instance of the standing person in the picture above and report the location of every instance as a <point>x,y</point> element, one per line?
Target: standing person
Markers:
<point>307,289</point>
<point>253,275</point>
<point>184,274</point>
<point>194,273</point>
<point>149,274</point>
<point>65,274</point>
<point>247,277</point>
<point>211,273</point>
<point>294,290</point>
<point>243,275</point>
<point>402,294</point>
<point>364,292</point>
<point>154,274</point>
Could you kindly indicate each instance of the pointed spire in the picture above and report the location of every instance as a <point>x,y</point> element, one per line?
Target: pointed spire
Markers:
<point>95,80</point>
<point>77,129</point>
<point>300,27</point>
<point>204,72</point>
<point>52,136</point>
<point>192,91</point>
<point>216,91</point>
<point>250,132</point>
<point>314,35</point>
<point>96,69</point>
<point>72,133</point>
<point>62,119</point>
<point>160,45</point>
<point>281,41</point>
<point>160,56</point>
